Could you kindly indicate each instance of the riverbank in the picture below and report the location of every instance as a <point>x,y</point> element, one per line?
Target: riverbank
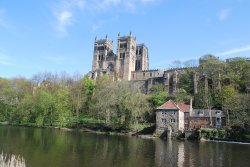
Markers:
<point>97,128</point>
<point>230,140</point>
<point>218,140</point>
<point>145,133</point>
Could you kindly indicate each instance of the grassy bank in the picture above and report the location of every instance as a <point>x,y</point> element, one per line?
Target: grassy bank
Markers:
<point>234,133</point>
<point>92,125</point>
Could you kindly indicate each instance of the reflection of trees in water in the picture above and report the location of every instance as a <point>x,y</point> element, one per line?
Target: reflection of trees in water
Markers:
<point>191,154</point>
<point>49,147</point>
<point>166,153</point>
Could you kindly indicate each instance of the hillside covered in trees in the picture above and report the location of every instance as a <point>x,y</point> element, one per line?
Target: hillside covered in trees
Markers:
<point>61,100</point>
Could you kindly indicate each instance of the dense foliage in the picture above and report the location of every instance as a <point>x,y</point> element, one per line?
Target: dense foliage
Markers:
<point>224,85</point>
<point>52,100</point>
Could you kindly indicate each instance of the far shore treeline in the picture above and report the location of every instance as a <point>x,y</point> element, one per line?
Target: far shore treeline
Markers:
<point>49,99</point>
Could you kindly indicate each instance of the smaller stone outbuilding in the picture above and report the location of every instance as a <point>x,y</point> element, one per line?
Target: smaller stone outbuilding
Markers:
<point>205,118</point>
<point>170,118</point>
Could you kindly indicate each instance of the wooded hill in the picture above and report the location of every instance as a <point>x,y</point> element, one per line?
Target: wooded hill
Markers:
<point>61,100</point>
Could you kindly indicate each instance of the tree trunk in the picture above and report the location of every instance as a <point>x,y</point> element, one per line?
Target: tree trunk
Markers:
<point>211,119</point>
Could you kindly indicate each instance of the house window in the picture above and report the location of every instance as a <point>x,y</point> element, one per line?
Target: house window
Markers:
<point>144,74</point>
<point>151,74</point>
<point>163,120</point>
<point>201,112</point>
<point>218,120</point>
<point>206,119</point>
<point>172,120</point>
<point>217,112</point>
<point>196,119</point>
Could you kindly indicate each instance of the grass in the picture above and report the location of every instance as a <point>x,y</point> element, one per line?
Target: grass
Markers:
<point>90,120</point>
<point>11,161</point>
<point>4,123</point>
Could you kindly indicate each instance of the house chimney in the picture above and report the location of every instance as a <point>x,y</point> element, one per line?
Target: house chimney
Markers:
<point>191,104</point>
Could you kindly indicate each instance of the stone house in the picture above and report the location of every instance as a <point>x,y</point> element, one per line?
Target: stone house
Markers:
<point>205,118</point>
<point>170,118</point>
<point>173,118</point>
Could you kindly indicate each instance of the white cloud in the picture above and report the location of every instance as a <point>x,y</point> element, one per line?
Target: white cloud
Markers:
<point>224,14</point>
<point>55,59</point>
<point>64,20</point>
<point>235,50</point>
<point>64,13</point>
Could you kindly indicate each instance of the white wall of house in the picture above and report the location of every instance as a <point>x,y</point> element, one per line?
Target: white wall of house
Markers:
<point>181,121</point>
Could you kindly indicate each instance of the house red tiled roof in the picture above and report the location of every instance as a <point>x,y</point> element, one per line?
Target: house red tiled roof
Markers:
<point>184,107</point>
<point>168,106</point>
<point>171,105</point>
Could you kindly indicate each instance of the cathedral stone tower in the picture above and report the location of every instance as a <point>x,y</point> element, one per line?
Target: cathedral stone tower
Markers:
<point>103,58</point>
<point>130,58</point>
<point>141,63</point>
<point>126,56</point>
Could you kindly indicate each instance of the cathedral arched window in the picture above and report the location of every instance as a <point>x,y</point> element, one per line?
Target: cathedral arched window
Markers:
<point>111,67</point>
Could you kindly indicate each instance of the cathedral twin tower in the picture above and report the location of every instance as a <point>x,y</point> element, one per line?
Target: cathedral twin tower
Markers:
<point>130,57</point>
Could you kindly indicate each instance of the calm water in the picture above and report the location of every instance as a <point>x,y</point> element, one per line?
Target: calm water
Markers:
<point>52,148</point>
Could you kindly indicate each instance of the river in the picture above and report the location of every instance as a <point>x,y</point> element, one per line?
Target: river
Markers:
<point>55,148</point>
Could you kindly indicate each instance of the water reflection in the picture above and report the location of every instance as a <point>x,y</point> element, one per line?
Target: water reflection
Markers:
<point>49,147</point>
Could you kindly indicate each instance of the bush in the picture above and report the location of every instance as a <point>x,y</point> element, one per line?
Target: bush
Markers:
<point>235,132</point>
<point>222,134</point>
<point>211,133</point>
<point>215,133</point>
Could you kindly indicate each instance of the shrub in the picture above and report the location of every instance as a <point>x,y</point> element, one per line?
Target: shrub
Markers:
<point>222,134</point>
<point>235,132</point>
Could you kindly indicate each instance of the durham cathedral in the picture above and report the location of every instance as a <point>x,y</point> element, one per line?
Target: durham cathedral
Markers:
<point>131,63</point>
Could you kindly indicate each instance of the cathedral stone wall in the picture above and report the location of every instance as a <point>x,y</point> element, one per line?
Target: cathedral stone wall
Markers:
<point>144,75</point>
<point>130,63</point>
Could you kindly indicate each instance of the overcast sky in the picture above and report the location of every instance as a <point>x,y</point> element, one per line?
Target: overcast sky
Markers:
<point>45,35</point>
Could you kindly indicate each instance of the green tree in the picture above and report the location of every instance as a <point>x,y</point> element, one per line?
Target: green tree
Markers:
<point>227,97</point>
<point>158,95</point>
<point>62,112</point>
<point>237,72</point>
<point>120,104</point>
<point>180,95</point>
<point>44,107</point>
<point>186,82</point>
<point>88,86</point>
